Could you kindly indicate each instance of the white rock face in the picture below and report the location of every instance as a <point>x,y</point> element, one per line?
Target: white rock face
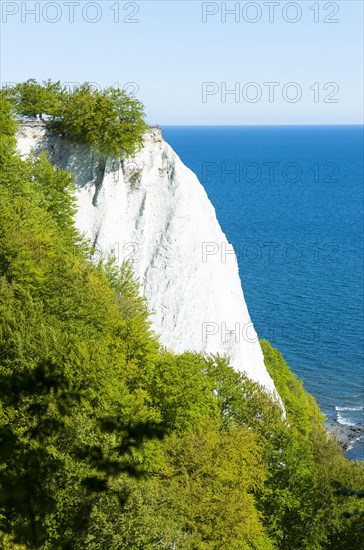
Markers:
<point>153,211</point>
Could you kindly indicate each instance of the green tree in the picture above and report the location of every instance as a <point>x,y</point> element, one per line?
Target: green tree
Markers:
<point>33,99</point>
<point>108,440</point>
<point>8,126</point>
<point>213,474</point>
<point>110,121</point>
<point>71,429</point>
<point>302,460</point>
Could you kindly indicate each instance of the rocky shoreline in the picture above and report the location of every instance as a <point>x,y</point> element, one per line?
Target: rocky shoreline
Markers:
<point>346,435</point>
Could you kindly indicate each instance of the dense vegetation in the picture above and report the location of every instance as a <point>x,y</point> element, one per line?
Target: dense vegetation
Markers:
<point>109,120</point>
<point>108,441</point>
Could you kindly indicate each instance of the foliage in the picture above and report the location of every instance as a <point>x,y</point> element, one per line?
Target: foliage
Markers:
<point>301,407</point>
<point>298,500</point>
<point>110,120</point>
<point>7,125</point>
<point>69,424</point>
<point>108,440</point>
<point>33,99</point>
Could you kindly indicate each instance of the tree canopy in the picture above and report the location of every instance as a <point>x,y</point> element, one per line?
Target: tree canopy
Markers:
<point>109,120</point>
<point>108,441</point>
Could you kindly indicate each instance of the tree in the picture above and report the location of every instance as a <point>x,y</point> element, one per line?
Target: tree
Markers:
<point>71,430</point>
<point>108,440</point>
<point>8,126</point>
<point>33,99</point>
<point>213,474</point>
<point>109,121</point>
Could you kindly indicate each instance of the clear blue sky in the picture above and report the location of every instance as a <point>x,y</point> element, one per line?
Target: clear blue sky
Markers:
<point>169,52</point>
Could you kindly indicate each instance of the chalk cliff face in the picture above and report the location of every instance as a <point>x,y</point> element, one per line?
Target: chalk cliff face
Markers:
<point>153,211</point>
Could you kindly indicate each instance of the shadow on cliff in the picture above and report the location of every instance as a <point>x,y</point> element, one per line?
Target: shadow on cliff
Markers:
<point>88,166</point>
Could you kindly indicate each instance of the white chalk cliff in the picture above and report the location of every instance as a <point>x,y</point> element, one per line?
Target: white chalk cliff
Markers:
<point>154,211</point>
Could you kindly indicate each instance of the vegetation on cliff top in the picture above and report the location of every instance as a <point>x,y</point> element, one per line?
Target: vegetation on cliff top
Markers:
<point>108,441</point>
<point>109,120</point>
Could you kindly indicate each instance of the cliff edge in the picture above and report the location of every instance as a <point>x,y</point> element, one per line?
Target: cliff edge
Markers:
<point>153,211</point>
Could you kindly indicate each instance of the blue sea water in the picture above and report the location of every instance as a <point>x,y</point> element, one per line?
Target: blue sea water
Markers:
<point>290,200</point>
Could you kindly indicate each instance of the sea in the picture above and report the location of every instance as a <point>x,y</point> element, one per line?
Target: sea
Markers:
<point>290,201</point>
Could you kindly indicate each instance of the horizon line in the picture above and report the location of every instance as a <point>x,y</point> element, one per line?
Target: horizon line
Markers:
<point>263,125</point>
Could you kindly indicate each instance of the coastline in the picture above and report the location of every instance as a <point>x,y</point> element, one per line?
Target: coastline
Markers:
<point>347,436</point>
